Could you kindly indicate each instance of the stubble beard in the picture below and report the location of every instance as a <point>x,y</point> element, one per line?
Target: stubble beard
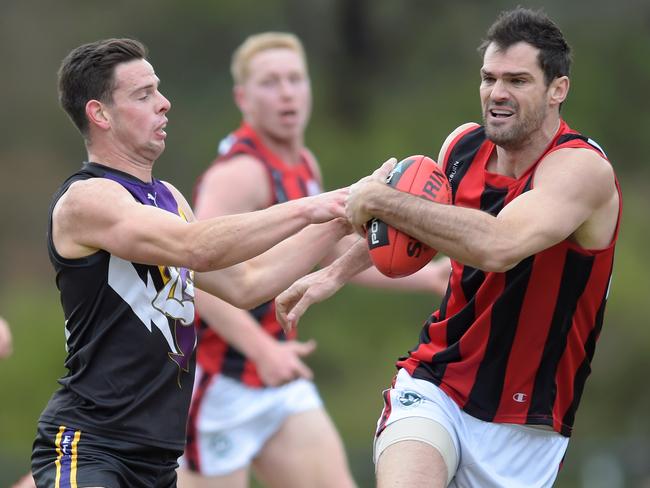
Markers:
<point>517,134</point>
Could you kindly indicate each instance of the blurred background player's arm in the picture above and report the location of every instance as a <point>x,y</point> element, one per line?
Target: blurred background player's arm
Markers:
<point>277,362</point>
<point>236,186</point>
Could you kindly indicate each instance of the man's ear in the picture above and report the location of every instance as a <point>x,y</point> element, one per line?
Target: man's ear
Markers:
<point>239,96</point>
<point>559,90</point>
<point>96,113</point>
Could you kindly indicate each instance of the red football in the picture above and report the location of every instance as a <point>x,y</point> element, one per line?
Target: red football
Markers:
<point>394,253</point>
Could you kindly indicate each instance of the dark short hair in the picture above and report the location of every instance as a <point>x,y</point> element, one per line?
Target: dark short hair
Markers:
<point>88,73</point>
<point>535,28</point>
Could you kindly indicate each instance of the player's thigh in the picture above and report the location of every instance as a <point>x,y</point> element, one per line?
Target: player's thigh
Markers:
<point>306,451</point>
<point>190,479</point>
<point>411,463</point>
<point>407,434</point>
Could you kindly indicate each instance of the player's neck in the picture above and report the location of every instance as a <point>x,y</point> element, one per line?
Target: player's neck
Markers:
<point>114,158</point>
<point>288,150</point>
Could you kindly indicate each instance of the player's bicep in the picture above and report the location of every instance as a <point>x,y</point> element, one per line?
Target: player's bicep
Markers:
<point>535,221</point>
<point>83,220</point>
<point>235,186</point>
<point>568,187</point>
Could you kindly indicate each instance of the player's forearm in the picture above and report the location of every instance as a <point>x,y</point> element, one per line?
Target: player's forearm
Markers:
<point>466,235</point>
<point>272,272</point>
<point>356,260</point>
<point>230,239</point>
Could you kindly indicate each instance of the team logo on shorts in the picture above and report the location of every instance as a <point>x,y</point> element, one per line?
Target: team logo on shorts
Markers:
<point>219,444</point>
<point>409,398</point>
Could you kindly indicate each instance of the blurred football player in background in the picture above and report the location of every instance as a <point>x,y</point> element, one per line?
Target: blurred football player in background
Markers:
<point>254,403</point>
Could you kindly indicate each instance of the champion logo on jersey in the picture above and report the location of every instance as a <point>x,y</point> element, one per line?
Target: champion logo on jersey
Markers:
<point>409,398</point>
<point>520,397</point>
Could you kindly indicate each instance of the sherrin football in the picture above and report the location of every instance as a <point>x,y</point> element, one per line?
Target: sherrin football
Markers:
<point>394,253</point>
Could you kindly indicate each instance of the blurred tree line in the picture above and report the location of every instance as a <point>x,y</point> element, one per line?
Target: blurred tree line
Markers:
<point>389,78</point>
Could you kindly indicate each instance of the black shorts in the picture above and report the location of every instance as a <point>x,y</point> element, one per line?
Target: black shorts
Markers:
<point>63,457</point>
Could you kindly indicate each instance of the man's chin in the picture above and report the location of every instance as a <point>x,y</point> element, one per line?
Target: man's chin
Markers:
<point>156,150</point>
<point>500,136</point>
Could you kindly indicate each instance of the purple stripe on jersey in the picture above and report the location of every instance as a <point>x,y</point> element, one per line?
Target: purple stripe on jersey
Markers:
<point>66,457</point>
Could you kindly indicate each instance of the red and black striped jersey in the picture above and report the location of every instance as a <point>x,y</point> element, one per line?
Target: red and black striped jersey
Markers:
<point>516,346</point>
<point>287,182</point>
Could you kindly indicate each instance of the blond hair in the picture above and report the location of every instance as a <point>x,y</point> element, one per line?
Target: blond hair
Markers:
<point>262,42</point>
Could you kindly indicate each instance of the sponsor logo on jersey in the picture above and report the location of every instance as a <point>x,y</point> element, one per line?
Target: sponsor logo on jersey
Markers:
<point>153,198</point>
<point>454,170</point>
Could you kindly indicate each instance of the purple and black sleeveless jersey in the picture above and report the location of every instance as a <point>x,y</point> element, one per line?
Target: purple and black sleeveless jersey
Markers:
<point>516,346</point>
<point>130,336</point>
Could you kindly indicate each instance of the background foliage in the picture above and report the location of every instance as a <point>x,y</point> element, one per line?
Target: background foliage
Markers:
<point>389,78</point>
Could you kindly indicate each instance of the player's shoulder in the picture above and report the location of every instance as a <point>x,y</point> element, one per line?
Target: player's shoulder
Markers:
<point>238,184</point>
<point>581,159</point>
<point>239,165</point>
<point>453,135</point>
<point>580,167</point>
<point>84,193</point>
<point>85,201</point>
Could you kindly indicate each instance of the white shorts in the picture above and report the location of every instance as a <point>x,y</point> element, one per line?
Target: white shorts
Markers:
<point>234,421</point>
<point>487,454</point>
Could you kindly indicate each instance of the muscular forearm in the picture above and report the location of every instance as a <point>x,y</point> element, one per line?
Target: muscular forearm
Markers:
<point>318,286</point>
<point>466,235</point>
<point>263,277</point>
<point>356,260</point>
<point>276,269</point>
<point>243,236</point>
